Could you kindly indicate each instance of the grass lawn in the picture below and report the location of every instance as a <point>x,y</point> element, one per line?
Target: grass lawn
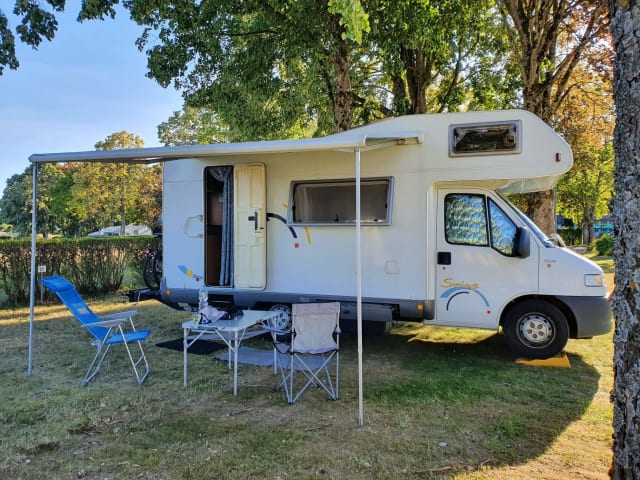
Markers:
<point>439,403</point>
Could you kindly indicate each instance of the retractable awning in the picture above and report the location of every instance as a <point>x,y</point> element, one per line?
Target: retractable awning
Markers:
<point>346,141</point>
<point>352,141</point>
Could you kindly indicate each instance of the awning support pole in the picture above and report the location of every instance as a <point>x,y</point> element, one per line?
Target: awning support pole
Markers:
<point>32,290</point>
<point>359,291</point>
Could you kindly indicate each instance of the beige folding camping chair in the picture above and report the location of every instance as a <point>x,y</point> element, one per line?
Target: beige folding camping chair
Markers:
<point>313,347</point>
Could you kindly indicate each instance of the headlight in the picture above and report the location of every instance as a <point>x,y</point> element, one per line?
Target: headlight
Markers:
<point>594,280</point>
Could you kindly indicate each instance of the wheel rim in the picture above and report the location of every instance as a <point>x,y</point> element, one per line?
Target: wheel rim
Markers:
<point>283,320</point>
<point>536,330</point>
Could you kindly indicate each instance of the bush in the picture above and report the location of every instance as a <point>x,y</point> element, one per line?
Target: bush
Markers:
<point>93,265</point>
<point>571,235</point>
<point>603,246</point>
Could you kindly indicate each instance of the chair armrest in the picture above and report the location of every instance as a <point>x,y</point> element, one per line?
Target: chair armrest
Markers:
<point>273,330</point>
<point>107,323</point>
<point>119,315</point>
<point>113,319</point>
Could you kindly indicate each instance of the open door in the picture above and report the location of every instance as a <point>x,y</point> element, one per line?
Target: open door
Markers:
<point>250,252</point>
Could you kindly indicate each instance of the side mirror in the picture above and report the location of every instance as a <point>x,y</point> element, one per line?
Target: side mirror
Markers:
<point>522,242</point>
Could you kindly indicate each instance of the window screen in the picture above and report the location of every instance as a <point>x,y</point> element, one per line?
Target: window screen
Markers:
<point>465,220</point>
<point>484,138</point>
<point>333,202</point>
<point>465,217</point>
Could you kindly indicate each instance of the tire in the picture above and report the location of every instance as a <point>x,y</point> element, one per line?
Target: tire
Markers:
<point>283,321</point>
<point>157,268</point>
<point>536,329</point>
<point>147,272</point>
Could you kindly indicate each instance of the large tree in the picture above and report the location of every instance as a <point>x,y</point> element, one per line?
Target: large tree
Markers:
<point>625,22</point>
<point>192,126</point>
<point>442,55</point>
<point>15,204</point>
<point>105,194</point>
<point>263,66</point>
<point>586,119</point>
<point>549,37</point>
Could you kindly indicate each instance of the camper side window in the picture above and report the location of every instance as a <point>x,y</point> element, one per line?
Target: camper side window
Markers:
<point>333,202</point>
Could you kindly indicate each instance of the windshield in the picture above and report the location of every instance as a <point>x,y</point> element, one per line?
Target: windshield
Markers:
<point>532,226</point>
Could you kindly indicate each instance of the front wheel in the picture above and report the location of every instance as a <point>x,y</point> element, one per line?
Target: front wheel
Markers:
<point>536,329</point>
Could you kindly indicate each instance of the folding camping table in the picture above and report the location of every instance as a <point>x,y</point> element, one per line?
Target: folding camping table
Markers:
<point>231,332</point>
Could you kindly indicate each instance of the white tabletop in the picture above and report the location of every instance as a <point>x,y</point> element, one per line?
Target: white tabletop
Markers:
<point>239,323</point>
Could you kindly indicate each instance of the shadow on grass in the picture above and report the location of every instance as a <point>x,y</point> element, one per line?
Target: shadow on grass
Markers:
<point>423,387</point>
<point>509,412</point>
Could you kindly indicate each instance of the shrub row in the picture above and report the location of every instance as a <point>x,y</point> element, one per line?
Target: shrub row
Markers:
<point>93,265</point>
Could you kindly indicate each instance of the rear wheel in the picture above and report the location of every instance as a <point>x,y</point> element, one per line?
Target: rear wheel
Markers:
<point>157,268</point>
<point>148,271</point>
<point>283,321</point>
<point>536,329</point>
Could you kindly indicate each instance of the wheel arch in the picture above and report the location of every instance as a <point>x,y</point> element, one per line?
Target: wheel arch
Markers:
<point>559,304</point>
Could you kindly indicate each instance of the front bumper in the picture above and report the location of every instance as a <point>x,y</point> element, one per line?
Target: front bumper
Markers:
<point>593,315</point>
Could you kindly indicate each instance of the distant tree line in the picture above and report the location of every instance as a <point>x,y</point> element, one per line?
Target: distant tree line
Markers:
<point>75,199</point>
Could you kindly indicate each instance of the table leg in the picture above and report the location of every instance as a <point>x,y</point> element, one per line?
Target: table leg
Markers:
<point>236,344</point>
<point>184,360</point>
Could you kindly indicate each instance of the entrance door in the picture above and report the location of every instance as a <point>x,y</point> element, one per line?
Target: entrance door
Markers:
<point>250,252</point>
<point>477,272</point>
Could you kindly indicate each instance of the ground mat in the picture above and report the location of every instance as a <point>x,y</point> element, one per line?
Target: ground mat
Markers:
<point>199,347</point>
<point>254,356</point>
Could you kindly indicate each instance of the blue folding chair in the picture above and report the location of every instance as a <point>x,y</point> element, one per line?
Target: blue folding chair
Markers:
<point>107,330</point>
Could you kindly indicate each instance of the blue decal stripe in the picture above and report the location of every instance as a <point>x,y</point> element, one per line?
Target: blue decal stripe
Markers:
<point>283,220</point>
<point>453,291</point>
<point>464,292</point>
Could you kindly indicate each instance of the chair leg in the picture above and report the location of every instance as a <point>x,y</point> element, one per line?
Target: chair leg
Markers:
<point>101,354</point>
<point>93,371</point>
<point>135,364</point>
<point>286,377</point>
<point>313,378</point>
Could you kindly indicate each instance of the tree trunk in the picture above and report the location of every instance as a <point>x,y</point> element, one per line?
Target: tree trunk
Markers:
<point>625,18</point>
<point>400,100</point>
<point>343,95</point>
<point>417,68</point>
<point>588,232</point>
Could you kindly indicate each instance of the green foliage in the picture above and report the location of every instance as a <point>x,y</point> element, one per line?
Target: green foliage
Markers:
<point>92,265</point>
<point>353,17</point>
<point>78,198</point>
<point>37,23</point>
<point>192,126</point>
<point>603,245</point>
<point>571,235</point>
<point>585,192</point>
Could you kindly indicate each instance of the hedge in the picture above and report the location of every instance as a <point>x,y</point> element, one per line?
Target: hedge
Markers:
<point>603,245</point>
<point>93,265</point>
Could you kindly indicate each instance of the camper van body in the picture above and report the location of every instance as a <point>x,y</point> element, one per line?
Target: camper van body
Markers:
<point>268,224</point>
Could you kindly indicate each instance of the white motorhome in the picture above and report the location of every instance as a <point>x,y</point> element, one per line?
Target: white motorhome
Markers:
<point>268,224</point>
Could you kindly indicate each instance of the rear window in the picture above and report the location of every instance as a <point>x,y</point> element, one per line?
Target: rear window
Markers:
<point>485,138</point>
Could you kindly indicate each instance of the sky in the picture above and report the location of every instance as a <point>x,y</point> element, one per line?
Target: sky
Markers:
<point>76,90</point>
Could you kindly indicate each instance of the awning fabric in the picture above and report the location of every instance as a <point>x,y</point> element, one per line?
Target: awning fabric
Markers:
<point>346,141</point>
